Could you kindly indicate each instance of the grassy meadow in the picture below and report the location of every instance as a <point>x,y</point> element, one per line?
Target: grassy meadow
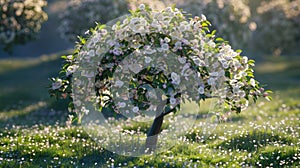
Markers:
<point>33,130</point>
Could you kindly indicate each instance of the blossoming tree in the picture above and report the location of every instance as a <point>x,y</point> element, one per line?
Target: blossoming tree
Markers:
<point>114,68</point>
<point>20,21</point>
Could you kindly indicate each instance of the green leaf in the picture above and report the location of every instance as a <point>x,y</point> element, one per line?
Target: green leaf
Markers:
<point>269,98</point>
<point>102,26</point>
<point>269,91</point>
<point>64,57</point>
<point>209,35</point>
<point>82,40</point>
<point>66,66</point>
<point>173,6</point>
<point>213,32</point>
<point>251,62</point>
<point>219,39</point>
<point>250,74</point>
<point>239,51</point>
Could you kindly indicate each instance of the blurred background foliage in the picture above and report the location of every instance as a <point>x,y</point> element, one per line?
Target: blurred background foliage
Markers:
<point>20,21</point>
<point>259,27</point>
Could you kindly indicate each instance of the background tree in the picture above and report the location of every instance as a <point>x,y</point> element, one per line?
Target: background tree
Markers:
<point>20,21</point>
<point>231,18</point>
<point>278,26</point>
<point>80,15</point>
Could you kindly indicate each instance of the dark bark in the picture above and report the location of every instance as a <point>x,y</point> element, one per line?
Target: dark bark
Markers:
<point>155,129</point>
<point>152,135</point>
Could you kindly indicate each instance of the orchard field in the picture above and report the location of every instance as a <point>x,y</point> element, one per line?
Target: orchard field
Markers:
<point>36,130</point>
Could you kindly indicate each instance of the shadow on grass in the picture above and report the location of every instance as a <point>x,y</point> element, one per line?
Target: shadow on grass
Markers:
<point>95,158</point>
<point>47,113</point>
<point>254,140</point>
<point>26,85</point>
<point>42,116</point>
<point>23,87</point>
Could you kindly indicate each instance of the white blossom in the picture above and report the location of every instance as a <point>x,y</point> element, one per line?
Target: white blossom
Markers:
<point>136,68</point>
<point>211,81</point>
<point>57,84</point>
<point>122,104</point>
<point>175,78</point>
<point>173,101</point>
<point>142,7</point>
<point>119,83</point>
<point>135,109</point>
<point>182,60</point>
<point>148,59</point>
<point>165,47</point>
<point>252,82</point>
<point>201,90</point>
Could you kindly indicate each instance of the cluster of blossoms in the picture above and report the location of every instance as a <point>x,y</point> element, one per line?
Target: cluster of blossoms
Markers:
<point>193,57</point>
<point>20,20</point>
<point>80,15</point>
<point>278,25</point>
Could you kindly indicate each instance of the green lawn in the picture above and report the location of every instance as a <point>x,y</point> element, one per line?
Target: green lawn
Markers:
<point>33,132</point>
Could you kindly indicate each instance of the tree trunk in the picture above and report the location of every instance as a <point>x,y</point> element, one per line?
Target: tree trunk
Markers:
<point>155,129</point>
<point>152,135</point>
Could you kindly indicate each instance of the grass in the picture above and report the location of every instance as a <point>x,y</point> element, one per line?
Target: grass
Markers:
<point>24,88</point>
<point>34,133</point>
